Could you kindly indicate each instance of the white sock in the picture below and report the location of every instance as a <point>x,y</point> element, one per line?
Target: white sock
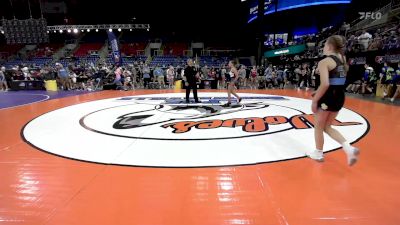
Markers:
<point>346,146</point>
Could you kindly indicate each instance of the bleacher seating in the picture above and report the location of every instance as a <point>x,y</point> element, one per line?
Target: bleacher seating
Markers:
<point>35,62</point>
<point>43,50</point>
<point>175,48</point>
<point>168,60</point>
<point>131,49</point>
<point>213,61</point>
<point>84,49</point>
<point>88,59</point>
<point>8,50</point>
<point>128,60</point>
<point>12,63</point>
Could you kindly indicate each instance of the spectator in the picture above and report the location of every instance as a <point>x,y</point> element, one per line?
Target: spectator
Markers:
<point>301,73</point>
<point>344,29</point>
<point>221,82</point>
<point>314,73</point>
<point>396,83</point>
<point>159,76</point>
<point>392,41</point>
<point>3,82</point>
<point>268,76</point>
<point>205,71</point>
<point>170,76</point>
<point>26,73</point>
<point>128,84</point>
<point>63,75</point>
<point>280,78</point>
<point>376,43</point>
<point>118,76</point>
<point>386,78</point>
<point>288,75</point>
<point>242,76</point>
<point>369,80</point>
<point>134,76</point>
<point>364,39</point>
<point>73,77</point>
<point>82,80</point>
<point>270,79</point>
<point>16,74</point>
<point>350,43</point>
<point>212,74</point>
<point>146,76</point>
<point>253,78</point>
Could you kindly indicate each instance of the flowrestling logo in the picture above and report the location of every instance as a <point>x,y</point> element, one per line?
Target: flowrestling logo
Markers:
<point>164,131</point>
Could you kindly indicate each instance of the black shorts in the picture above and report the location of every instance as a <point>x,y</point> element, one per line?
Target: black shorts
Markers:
<point>332,100</point>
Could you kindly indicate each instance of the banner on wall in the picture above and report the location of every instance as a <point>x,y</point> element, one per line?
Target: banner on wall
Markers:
<point>387,58</point>
<point>358,61</point>
<point>116,54</point>
<point>285,51</point>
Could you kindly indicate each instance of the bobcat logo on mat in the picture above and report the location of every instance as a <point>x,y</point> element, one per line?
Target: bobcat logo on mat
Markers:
<point>248,125</point>
<point>162,131</point>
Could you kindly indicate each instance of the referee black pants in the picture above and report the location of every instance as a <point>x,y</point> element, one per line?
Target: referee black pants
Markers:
<point>188,88</point>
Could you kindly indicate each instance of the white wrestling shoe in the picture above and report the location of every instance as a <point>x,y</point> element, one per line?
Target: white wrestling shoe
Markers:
<point>316,155</point>
<point>352,155</point>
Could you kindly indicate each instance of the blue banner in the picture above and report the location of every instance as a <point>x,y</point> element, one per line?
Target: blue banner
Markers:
<point>116,54</point>
<point>271,6</point>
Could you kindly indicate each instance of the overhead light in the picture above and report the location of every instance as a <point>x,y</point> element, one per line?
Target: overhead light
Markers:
<point>75,30</point>
<point>148,29</point>
<point>97,30</point>
<point>130,29</point>
<point>243,0</point>
<point>82,31</point>
<point>110,30</point>
<point>119,29</point>
<point>55,31</point>
<point>88,30</point>
<point>69,30</point>
<point>61,31</point>
<point>2,31</point>
<point>48,31</point>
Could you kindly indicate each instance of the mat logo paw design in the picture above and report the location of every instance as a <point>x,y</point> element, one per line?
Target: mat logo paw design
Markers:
<point>163,131</point>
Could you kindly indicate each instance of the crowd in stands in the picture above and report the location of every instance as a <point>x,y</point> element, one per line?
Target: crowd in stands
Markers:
<point>297,71</point>
<point>386,38</point>
<point>138,74</point>
<point>387,79</point>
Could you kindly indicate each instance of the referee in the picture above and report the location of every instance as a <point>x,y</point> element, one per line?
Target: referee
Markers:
<point>190,77</point>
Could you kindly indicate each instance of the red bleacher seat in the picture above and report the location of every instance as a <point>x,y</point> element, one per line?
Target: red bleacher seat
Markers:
<point>47,49</point>
<point>175,48</point>
<point>84,48</point>
<point>8,50</point>
<point>130,49</point>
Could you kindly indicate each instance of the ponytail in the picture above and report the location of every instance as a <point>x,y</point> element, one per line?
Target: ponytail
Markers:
<point>339,43</point>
